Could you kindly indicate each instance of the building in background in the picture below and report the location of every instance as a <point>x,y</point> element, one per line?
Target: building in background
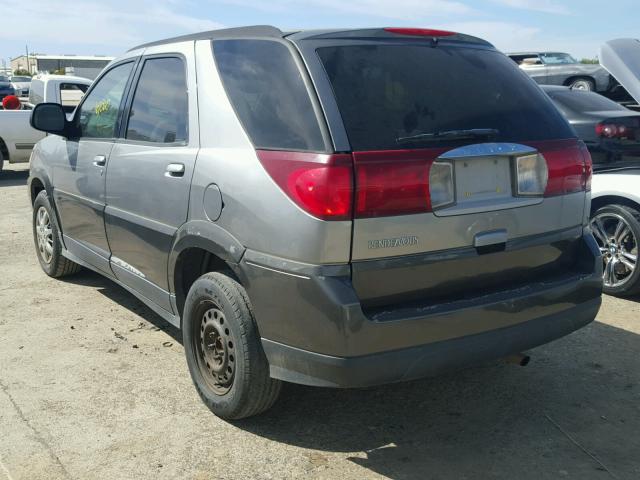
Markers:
<point>87,66</point>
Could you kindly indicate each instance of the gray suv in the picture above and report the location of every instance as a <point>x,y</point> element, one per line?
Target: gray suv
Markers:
<point>336,208</point>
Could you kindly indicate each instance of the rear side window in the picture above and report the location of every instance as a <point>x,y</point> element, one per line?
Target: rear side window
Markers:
<point>387,92</point>
<point>159,111</point>
<point>268,93</point>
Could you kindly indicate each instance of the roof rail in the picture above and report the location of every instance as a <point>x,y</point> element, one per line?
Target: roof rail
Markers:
<point>238,32</point>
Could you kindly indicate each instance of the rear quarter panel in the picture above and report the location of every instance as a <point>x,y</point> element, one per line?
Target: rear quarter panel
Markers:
<point>256,212</point>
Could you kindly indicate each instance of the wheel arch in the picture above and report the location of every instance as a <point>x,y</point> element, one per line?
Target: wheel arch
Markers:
<point>599,202</point>
<point>200,247</point>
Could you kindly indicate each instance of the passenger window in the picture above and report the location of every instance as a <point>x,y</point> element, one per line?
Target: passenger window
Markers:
<point>159,110</point>
<point>98,114</point>
<point>71,94</point>
<point>268,92</point>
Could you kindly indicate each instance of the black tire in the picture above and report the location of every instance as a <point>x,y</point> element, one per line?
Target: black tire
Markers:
<point>631,217</point>
<point>56,265</point>
<point>582,84</point>
<point>218,313</point>
<point>1,161</point>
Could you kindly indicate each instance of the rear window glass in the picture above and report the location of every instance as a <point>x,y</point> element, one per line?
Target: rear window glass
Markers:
<point>268,93</point>
<point>387,92</point>
<point>580,101</point>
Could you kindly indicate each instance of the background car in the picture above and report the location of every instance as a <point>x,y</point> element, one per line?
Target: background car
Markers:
<point>557,68</point>
<point>21,85</point>
<point>612,135</point>
<point>5,87</point>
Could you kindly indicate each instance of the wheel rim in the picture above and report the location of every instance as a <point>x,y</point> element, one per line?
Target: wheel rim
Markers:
<point>216,349</point>
<point>580,85</point>
<point>619,247</point>
<point>44,235</point>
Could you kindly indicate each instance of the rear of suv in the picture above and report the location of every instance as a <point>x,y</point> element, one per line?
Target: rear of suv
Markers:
<point>334,208</point>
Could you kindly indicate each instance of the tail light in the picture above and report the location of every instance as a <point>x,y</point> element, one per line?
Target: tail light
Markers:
<point>404,182</point>
<point>588,166</point>
<point>532,175</point>
<point>320,184</point>
<point>612,130</point>
<point>396,182</point>
<point>569,167</point>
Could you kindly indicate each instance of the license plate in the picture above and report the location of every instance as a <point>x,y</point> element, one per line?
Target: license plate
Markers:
<point>482,179</point>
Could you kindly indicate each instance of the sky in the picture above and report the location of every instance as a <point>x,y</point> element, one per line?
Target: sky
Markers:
<point>110,27</point>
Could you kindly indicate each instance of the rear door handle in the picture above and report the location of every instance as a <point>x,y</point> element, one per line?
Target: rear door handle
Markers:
<point>174,170</point>
<point>99,160</point>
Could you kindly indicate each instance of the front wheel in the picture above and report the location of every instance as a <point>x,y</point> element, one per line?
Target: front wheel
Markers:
<point>223,348</point>
<point>616,228</point>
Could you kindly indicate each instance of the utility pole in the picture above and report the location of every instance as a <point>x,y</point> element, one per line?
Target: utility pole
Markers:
<point>26,48</point>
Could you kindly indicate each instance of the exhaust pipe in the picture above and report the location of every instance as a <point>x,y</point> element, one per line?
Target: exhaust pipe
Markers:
<point>518,359</point>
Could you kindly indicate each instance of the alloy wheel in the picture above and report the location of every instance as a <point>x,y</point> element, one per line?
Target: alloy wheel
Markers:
<point>619,248</point>
<point>44,235</point>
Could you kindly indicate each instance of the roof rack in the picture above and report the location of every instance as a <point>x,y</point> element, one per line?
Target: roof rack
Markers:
<point>253,31</point>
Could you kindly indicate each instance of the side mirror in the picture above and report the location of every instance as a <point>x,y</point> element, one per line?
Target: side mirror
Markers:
<point>50,118</point>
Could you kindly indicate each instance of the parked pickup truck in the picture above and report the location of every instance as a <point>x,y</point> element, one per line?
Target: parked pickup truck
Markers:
<point>17,138</point>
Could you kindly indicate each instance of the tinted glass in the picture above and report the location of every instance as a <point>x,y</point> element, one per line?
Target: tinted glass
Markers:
<point>3,78</point>
<point>159,111</point>
<point>98,114</point>
<point>20,79</point>
<point>557,58</point>
<point>268,93</point>
<point>385,92</point>
<point>580,101</point>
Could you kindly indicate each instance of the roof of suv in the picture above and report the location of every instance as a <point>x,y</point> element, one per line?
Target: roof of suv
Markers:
<point>540,52</point>
<point>266,31</point>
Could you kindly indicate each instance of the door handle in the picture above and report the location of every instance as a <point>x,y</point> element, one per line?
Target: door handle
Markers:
<point>174,170</point>
<point>99,160</point>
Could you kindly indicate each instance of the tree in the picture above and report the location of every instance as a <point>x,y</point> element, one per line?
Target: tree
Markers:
<point>22,72</point>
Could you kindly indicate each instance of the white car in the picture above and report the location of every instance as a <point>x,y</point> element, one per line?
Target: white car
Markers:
<point>615,190</point>
<point>17,138</point>
<point>21,84</point>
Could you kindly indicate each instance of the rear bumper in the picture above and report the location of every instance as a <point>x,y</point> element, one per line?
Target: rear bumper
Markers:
<point>301,366</point>
<point>315,331</point>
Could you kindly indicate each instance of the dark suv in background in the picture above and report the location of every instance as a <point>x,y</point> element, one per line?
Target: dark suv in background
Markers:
<point>335,208</point>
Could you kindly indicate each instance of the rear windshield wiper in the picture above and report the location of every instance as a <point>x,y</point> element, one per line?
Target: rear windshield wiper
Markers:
<point>450,135</point>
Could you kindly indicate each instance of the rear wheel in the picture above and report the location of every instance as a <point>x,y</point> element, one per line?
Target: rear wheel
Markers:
<point>616,228</point>
<point>582,84</point>
<point>223,348</point>
<point>47,240</point>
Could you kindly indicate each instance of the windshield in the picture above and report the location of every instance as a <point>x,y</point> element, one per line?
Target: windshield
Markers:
<point>581,101</point>
<point>20,79</point>
<point>3,78</point>
<point>557,58</point>
<point>389,92</point>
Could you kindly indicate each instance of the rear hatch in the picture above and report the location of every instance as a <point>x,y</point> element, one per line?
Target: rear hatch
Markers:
<point>467,179</point>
